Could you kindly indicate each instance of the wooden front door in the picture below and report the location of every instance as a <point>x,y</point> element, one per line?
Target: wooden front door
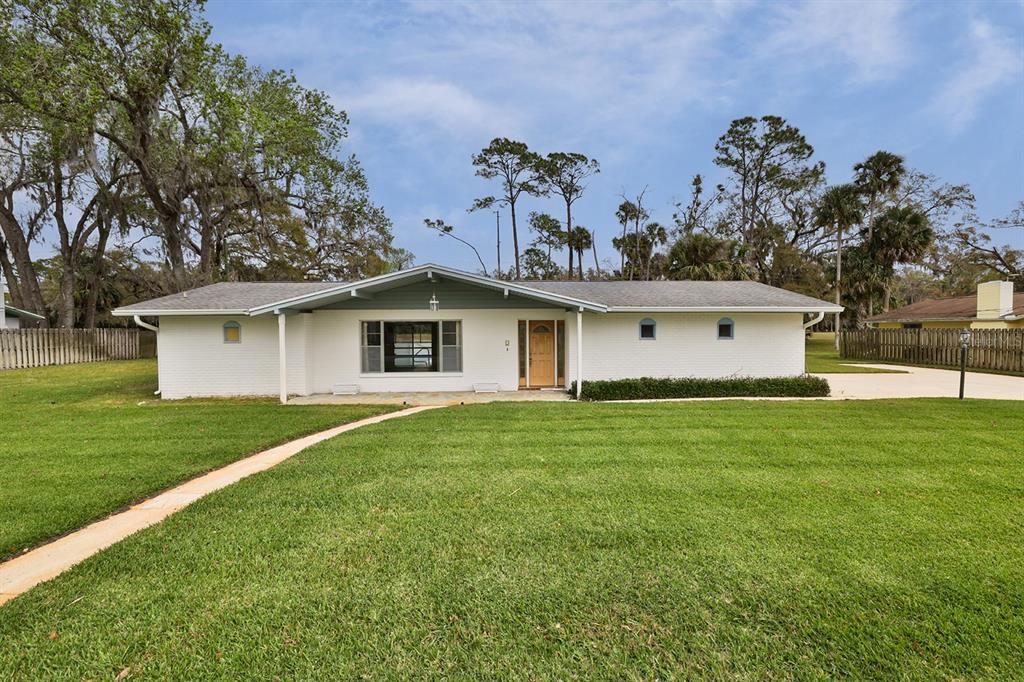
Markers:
<point>542,353</point>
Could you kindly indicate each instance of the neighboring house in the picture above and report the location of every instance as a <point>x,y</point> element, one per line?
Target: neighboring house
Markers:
<point>11,317</point>
<point>995,306</point>
<point>432,328</point>
<point>16,318</point>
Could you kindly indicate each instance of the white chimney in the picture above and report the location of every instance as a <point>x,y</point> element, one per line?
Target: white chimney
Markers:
<point>995,300</point>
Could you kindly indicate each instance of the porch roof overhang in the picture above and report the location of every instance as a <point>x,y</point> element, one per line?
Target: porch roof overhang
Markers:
<point>368,287</point>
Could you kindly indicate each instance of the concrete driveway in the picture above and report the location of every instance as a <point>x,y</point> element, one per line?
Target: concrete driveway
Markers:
<point>919,382</point>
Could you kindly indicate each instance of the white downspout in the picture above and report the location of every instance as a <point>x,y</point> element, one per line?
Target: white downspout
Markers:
<point>156,330</point>
<point>145,325</point>
<point>816,320</point>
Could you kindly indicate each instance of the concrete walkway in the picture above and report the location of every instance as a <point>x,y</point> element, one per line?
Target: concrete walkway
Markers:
<point>436,398</point>
<point>921,382</point>
<point>43,563</point>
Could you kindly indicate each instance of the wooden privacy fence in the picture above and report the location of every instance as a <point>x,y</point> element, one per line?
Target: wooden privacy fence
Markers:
<point>21,348</point>
<point>998,349</point>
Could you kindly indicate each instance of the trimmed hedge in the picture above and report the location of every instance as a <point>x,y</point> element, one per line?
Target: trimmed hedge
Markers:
<point>647,388</point>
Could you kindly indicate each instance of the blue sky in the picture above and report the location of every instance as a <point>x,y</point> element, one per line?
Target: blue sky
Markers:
<point>646,89</point>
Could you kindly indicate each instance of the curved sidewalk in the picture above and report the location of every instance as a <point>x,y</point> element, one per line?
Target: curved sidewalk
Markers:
<point>50,560</point>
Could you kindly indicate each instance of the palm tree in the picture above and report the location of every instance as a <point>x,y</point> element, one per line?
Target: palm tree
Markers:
<point>625,214</point>
<point>840,208</point>
<point>579,241</point>
<point>876,177</point>
<point>700,256</point>
<point>865,278</point>
<point>654,235</point>
<point>900,235</point>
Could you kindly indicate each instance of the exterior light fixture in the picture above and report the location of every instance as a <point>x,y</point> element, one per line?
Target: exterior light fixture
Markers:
<point>965,342</point>
<point>434,303</point>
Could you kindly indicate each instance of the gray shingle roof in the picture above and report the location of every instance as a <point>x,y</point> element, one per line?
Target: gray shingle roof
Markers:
<point>684,294</point>
<point>246,296</point>
<point>231,296</point>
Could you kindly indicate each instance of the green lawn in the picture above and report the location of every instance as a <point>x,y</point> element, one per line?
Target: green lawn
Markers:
<point>821,357</point>
<point>81,441</point>
<point>749,540</point>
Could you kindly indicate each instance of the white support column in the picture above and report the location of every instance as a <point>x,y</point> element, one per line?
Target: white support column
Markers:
<point>282,357</point>
<point>555,382</point>
<point>579,351</point>
<point>527,353</point>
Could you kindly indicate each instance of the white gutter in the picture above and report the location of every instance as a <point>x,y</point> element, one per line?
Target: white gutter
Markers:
<point>817,318</point>
<point>725,309</point>
<point>122,312</point>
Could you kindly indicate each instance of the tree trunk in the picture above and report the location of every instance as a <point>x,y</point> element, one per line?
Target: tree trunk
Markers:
<point>28,279</point>
<point>515,239</point>
<point>593,247</point>
<point>622,253</point>
<point>636,243</point>
<point>871,233</point>
<point>568,234</point>
<point>175,255</point>
<point>206,257</point>
<point>8,274</point>
<point>99,266</point>
<point>839,276</point>
<point>66,305</point>
<point>168,210</point>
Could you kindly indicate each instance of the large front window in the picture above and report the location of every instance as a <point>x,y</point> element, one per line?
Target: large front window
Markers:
<point>411,346</point>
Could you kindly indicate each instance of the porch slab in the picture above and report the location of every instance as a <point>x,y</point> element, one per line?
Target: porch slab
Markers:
<point>430,398</point>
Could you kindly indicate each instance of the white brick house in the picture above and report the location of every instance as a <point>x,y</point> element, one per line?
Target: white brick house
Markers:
<point>432,328</point>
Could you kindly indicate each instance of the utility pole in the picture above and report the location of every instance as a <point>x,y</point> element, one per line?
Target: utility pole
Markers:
<point>497,228</point>
<point>839,277</point>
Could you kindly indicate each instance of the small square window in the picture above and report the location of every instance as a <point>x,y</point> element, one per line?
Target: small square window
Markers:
<point>647,329</point>
<point>725,328</point>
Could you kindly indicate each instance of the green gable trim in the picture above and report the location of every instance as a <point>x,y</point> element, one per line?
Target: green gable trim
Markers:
<point>452,295</point>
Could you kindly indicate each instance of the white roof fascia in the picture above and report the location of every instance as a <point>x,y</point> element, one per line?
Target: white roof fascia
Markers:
<point>121,312</point>
<point>726,309</point>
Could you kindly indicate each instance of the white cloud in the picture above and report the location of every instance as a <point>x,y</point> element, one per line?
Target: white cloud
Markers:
<point>994,59</point>
<point>869,38</point>
<point>442,105</point>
